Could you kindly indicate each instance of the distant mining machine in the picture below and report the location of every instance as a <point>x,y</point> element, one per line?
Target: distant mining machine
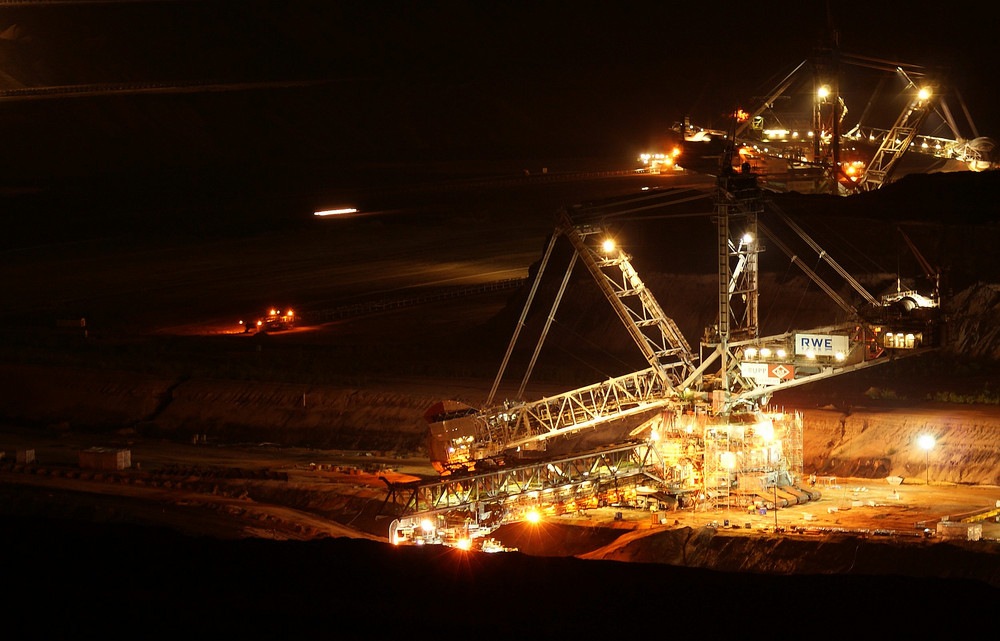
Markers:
<point>800,125</point>
<point>275,320</point>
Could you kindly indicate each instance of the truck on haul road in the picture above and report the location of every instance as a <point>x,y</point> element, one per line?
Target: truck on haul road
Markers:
<point>276,320</point>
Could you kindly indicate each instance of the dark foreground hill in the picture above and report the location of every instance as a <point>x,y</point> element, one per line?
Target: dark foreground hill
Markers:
<point>132,582</point>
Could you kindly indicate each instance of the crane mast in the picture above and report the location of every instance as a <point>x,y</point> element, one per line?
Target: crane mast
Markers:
<point>737,206</point>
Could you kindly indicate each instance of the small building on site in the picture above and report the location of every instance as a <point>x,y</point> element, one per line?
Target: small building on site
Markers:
<point>104,458</point>
<point>25,457</point>
<point>958,530</point>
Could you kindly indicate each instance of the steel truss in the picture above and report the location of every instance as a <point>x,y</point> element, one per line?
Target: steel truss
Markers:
<point>655,333</point>
<point>895,144</point>
<point>524,423</point>
<point>863,351</point>
<point>554,479</point>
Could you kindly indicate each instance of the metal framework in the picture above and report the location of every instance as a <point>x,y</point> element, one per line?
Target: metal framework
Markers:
<point>581,474</point>
<point>895,143</point>
<point>828,111</point>
<point>656,334</point>
<point>523,424</point>
<point>736,209</point>
<point>737,206</point>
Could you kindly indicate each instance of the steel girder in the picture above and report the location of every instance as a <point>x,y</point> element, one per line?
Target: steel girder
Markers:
<point>894,145</point>
<point>582,474</point>
<point>523,423</point>
<point>657,335</point>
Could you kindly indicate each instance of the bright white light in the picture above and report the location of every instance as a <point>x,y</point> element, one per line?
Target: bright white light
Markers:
<point>336,212</point>
<point>925,442</point>
<point>781,353</point>
<point>764,352</point>
<point>751,352</point>
<point>464,544</point>
<point>608,245</point>
<point>533,516</point>
<point>839,356</point>
<point>823,92</point>
<point>924,93</point>
<point>810,354</point>
<point>426,525</point>
<point>765,430</point>
<point>747,239</point>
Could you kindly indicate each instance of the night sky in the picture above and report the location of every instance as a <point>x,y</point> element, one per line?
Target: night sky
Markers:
<point>413,82</point>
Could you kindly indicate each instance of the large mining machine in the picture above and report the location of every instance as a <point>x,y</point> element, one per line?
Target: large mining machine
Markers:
<point>801,125</point>
<point>687,427</point>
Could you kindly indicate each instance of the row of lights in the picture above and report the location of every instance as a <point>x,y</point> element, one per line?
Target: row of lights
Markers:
<point>923,93</point>
<point>780,353</point>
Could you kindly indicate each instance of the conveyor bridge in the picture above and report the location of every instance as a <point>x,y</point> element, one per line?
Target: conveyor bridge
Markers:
<point>549,480</point>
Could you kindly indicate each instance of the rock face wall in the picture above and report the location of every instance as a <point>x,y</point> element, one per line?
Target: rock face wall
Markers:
<point>785,555</point>
<point>859,442</point>
<point>880,443</point>
<point>314,415</point>
<point>67,397</point>
<point>319,416</point>
<point>974,321</point>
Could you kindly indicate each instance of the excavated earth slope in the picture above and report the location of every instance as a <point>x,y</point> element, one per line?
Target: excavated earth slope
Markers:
<point>871,441</point>
<point>830,554</point>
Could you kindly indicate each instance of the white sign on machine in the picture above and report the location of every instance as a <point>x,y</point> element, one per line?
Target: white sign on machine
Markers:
<point>820,345</point>
<point>767,373</point>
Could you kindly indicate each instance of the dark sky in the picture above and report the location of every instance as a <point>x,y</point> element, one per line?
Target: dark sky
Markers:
<point>440,79</point>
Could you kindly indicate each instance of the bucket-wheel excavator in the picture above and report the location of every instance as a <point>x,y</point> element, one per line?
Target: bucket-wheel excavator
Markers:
<point>687,427</point>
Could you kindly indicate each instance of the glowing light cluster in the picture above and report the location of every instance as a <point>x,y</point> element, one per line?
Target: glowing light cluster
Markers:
<point>656,162</point>
<point>765,352</point>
